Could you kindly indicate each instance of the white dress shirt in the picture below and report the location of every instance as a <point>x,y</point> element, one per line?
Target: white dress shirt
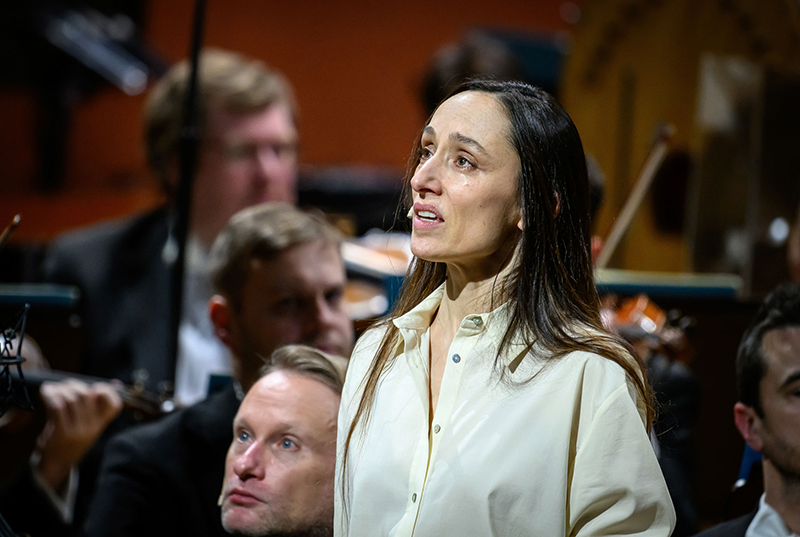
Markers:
<point>565,454</point>
<point>767,522</point>
<point>200,353</point>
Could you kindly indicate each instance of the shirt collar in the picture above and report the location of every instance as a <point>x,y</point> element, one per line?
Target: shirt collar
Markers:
<point>493,324</point>
<point>767,522</point>
<point>420,317</point>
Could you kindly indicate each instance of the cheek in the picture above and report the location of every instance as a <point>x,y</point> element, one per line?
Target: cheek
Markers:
<point>277,332</point>
<point>311,485</point>
<point>346,332</point>
<point>231,457</point>
<point>229,181</point>
<point>488,205</point>
<point>283,175</point>
<point>262,331</point>
<point>234,180</point>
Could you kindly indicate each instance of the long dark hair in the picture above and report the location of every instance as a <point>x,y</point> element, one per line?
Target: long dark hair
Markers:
<point>551,292</point>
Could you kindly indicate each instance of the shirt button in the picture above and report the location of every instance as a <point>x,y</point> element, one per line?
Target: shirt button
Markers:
<point>456,358</point>
<point>414,497</point>
<point>478,321</point>
<point>436,428</point>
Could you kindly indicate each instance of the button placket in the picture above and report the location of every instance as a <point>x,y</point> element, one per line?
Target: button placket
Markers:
<point>420,460</point>
<point>451,383</point>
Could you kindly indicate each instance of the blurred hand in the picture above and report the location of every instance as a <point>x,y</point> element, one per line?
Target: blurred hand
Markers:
<point>77,414</point>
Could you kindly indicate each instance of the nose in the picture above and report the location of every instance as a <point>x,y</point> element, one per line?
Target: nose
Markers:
<point>268,160</point>
<point>275,172</point>
<point>426,177</point>
<point>251,463</point>
<point>322,319</point>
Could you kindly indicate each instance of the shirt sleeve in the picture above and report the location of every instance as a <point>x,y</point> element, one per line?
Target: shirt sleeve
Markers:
<point>617,487</point>
<point>64,501</point>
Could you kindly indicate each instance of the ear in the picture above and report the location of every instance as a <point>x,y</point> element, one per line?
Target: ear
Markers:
<point>520,216</point>
<point>220,312</point>
<point>749,425</point>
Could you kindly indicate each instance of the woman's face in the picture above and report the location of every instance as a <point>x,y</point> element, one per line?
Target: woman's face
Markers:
<point>466,211</point>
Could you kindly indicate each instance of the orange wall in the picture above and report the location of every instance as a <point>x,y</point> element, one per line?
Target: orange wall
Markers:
<point>355,65</point>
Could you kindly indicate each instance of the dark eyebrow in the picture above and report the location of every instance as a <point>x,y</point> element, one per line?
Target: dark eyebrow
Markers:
<point>457,137</point>
<point>466,140</point>
<point>794,377</point>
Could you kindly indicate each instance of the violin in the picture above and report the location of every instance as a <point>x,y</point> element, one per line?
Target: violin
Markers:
<point>144,405</point>
<point>649,328</point>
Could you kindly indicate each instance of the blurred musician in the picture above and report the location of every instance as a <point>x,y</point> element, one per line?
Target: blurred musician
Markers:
<point>247,155</point>
<point>280,280</point>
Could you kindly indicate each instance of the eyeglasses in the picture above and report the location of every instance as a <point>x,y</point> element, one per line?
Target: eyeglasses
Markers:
<point>244,151</point>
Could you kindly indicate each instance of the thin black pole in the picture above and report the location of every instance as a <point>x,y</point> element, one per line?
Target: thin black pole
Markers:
<point>190,138</point>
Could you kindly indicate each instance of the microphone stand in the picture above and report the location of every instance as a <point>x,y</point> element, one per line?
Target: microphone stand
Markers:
<point>190,138</point>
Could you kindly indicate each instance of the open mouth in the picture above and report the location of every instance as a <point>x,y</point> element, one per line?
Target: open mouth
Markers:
<point>427,216</point>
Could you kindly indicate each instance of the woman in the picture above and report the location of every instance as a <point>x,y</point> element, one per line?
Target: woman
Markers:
<point>491,402</point>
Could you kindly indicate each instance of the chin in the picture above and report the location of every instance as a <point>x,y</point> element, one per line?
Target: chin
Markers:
<point>423,253</point>
<point>435,252</point>
<point>237,524</point>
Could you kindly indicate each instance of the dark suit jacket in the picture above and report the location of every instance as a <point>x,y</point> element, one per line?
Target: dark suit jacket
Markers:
<point>26,508</point>
<point>678,397</point>
<point>125,295</point>
<point>164,478</point>
<point>732,528</point>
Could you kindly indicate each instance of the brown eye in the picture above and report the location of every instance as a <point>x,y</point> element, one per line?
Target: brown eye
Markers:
<point>463,162</point>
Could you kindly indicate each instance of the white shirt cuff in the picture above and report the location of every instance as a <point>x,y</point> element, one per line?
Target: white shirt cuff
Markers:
<point>64,505</point>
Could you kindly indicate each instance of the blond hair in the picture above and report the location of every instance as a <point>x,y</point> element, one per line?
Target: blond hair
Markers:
<point>226,80</point>
<point>328,369</point>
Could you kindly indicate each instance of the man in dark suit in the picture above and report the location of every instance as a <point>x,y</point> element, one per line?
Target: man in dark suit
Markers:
<point>768,414</point>
<point>247,155</point>
<point>280,279</point>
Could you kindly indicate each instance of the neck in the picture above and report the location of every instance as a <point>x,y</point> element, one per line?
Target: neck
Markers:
<point>782,493</point>
<point>202,227</point>
<point>471,292</point>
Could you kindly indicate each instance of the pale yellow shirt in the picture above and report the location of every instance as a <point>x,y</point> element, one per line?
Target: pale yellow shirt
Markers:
<point>566,454</point>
